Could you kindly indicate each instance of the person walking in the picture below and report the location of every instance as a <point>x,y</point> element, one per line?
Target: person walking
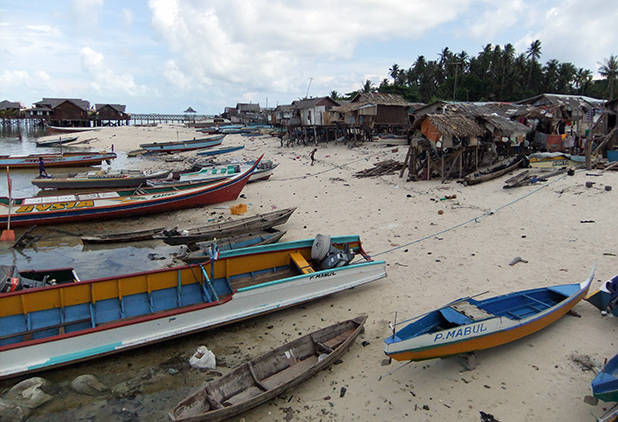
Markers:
<point>42,171</point>
<point>312,155</point>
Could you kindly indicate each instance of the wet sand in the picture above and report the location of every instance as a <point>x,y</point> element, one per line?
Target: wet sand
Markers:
<point>529,380</point>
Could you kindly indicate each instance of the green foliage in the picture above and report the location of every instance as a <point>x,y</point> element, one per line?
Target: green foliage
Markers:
<point>496,73</point>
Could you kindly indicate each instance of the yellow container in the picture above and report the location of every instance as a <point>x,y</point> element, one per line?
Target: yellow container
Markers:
<point>238,209</point>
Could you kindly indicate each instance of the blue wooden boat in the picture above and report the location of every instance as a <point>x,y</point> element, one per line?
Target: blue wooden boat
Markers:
<point>602,297</point>
<point>187,145</point>
<point>222,150</point>
<point>67,159</point>
<point>466,324</point>
<point>605,384</point>
<point>42,328</point>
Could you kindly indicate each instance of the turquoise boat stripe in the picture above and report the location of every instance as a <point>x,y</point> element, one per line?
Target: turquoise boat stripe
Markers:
<point>285,245</point>
<point>77,355</point>
<point>299,277</point>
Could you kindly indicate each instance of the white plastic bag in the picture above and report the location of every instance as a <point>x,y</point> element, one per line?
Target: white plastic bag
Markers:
<point>203,359</point>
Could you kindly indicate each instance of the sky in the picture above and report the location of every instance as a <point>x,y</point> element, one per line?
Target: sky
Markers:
<point>162,56</point>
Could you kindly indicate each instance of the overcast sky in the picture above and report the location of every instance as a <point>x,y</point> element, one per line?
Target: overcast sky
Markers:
<point>166,55</point>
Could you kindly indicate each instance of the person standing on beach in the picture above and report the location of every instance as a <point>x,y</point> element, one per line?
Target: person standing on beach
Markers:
<point>42,172</point>
<point>312,155</point>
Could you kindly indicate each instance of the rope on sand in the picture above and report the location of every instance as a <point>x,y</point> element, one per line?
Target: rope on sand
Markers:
<point>473,219</point>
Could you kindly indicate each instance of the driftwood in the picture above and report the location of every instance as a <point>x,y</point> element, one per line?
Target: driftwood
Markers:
<point>26,239</point>
<point>381,168</point>
<point>494,171</point>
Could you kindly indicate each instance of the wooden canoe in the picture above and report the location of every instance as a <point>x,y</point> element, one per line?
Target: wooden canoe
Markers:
<point>244,240</point>
<point>228,228</point>
<point>494,171</point>
<point>67,159</point>
<point>267,376</point>
<point>187,145</point>
<point>605,384</point>
<point>58,325</point>
<point>55,141</point>
<point>98,179</point>
<point>466,324</point>
<point>133,236</point>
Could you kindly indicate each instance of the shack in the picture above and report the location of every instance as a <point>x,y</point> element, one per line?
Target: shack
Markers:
<point>106,114</point>
<point>9,109</point>
<point>374,110</point>
<point>68,112</point>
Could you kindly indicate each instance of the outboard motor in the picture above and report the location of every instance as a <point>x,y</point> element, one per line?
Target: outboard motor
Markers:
<point>328,256</point>
<point>11,280</point>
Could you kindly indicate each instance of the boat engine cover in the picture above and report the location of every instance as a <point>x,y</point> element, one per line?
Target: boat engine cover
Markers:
<point>320,248</point>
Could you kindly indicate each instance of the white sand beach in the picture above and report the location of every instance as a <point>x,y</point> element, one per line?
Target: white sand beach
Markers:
<point>533,379</point>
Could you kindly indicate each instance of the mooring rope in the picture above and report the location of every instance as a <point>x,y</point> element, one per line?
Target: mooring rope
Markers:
<point>473,219</point>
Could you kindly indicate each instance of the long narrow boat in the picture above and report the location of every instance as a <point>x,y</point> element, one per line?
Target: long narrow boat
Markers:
<point>66,159</point>
<point>218,151</point>
<point>133,236</point>
<point>605,384</point>
<point>244,240</point>
<point>60,325</point>
<point>187,145</point>
<point>602,296</point>
<point>63,129</point>
<point>13,280</point>
<point>98,179</point>
<point>218,172</point>
<point>494,171</point>
<point>55,141</point>
<point>119,203</point>
<point>466,324</point>
<point>228,228</point>
<point>265,377</point>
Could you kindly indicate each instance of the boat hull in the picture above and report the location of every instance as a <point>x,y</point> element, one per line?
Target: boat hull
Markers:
<point>243,304</point>
<point>183,145</point>
<point>56,160</point>
<point>484,334</point>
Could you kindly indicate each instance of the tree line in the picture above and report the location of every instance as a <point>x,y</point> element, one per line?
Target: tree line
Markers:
<point>496,73</point>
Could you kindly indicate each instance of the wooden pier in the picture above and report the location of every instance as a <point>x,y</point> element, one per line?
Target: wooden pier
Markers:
<point>147,118</point>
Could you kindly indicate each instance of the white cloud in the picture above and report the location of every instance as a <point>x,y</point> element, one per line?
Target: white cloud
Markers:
<point>105,80</point>
<point>261,46</point>
<point>496,18</point>
<point>86,12</point>
<point>576,31</point>
<point>175,76</point>
<point>127,16</point>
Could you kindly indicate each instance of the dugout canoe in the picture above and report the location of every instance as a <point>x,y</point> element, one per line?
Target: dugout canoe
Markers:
<point>228,228</point>
<point>64,324</point>
<point>186,145</point>
<point>244,240</point>
<point>267,376</point>
<point>55,141</point>
<point>605,384</point>
<point>133,236</point>
<point>119,203</point>
<point>466,324</point>
<point>66,159</point>
<point>98,179</point>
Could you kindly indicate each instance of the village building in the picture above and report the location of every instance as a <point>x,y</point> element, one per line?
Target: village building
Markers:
<point>312,111</point>
<point>382,112</point>
<point>111,114</point>
<point>245,113</point>
<point>69,112</point>
<point>9,109</point>
<point>281,115</point>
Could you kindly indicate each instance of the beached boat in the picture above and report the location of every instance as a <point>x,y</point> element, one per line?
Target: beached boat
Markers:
<point>66,159</point>
<point>217,172</point>
<point>12,280</point>
<point>134,236</point>
<point>62,129</point>
<point>265,377</point>
<point>499,169</point>
<point>206,249</point>
<point>607,293</point>
<point>98,179</point>
<point>229,228</point>
<point>59,325</point>
<point>187,145</point>
<point>218,151</point>
<point>119,203</point>
<point>55,141</point>
<point>605,384</point>
<point>555,159</point>
<point>466,324</point>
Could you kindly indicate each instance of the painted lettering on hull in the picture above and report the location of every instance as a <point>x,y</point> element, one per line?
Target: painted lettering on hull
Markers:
<point>460,332</point>
<point>54,206</point>
<point>328,274</point>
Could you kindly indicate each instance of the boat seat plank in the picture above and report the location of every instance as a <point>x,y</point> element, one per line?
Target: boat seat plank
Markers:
<point>243,396</point>
<point>471,311</point>
<point>334,342</point>
<point>255,378</point>
<point>538,302</point>
<point>302,264</point>
<point>289,373</point>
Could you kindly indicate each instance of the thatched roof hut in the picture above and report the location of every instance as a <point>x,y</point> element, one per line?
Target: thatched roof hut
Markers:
<point>449,129</point>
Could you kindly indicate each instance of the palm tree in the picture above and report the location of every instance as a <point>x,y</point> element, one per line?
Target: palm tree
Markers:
<point>334,95</point>
<point>395,73</point>
<point>533,53</point>
<point>582,78</point>
<point>367,87</point>
<point>609,70</point>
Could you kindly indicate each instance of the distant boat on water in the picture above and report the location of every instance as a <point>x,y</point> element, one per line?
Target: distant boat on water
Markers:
<point>187,145</point>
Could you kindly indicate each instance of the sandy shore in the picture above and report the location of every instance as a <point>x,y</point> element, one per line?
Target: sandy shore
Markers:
<point>533,379</point>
